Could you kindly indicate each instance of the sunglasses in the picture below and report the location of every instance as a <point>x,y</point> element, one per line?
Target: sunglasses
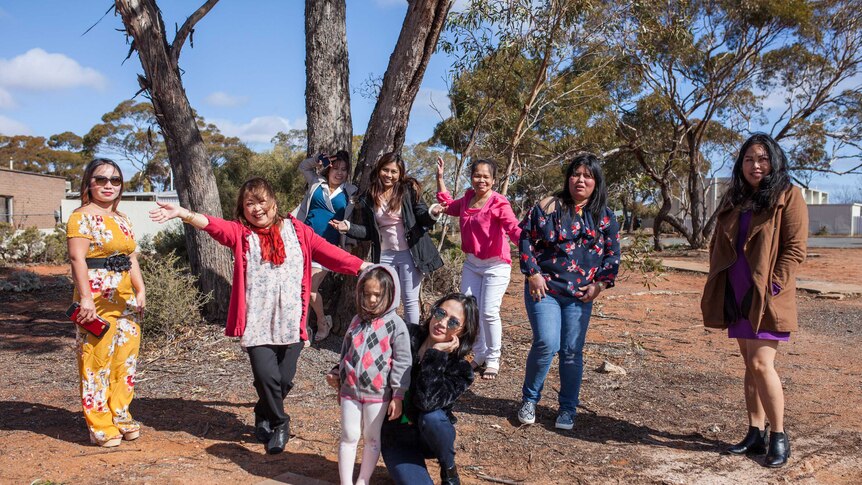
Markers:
<point>102,181</point>
<point>439,314</point>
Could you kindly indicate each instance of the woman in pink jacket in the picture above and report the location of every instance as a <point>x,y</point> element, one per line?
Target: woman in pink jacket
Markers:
<point>486,220</point>
<point>270,293</point>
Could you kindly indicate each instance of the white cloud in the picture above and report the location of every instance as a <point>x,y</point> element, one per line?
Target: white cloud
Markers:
<point>10,127</point>
<point>260,129</point>
<point>429,101</point>
<point>222,99</point>
<point>42,71</point>
<point>6,100</point>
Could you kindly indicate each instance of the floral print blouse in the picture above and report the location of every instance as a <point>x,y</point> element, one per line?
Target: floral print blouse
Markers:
<point>273,309</point>
<point>108,235</point>
<point>570,250</point>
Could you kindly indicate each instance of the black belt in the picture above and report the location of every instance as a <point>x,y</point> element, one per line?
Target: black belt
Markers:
<point>117,263</point>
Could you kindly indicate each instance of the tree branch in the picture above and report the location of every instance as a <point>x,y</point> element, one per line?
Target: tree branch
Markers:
<point>186,30</point>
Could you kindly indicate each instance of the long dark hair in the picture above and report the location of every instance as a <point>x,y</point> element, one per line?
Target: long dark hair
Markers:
<point>86,180</point>
<point>375,188</point>
<point>471,321</point>
<point>261,190</point>
<point>599,198</point>
<point>387,293</point>
<point>772,185</point>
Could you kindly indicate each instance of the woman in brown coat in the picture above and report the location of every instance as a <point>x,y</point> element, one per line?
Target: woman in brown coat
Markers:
<point>758,245</point>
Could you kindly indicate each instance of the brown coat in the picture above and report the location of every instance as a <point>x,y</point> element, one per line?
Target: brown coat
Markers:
<point>775,247</point>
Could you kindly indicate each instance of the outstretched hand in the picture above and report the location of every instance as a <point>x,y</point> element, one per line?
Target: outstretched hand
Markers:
<point>441,167</point>
<point>439,208</point>
<point>340,226</point>
<point>165,212</point>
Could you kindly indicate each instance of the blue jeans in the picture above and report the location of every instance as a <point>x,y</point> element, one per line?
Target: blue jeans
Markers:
<point>405,448</point>
<point>559,325</point>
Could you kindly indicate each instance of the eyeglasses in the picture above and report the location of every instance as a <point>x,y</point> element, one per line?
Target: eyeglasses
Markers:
<point>439,314</point>
<point>102,181</point>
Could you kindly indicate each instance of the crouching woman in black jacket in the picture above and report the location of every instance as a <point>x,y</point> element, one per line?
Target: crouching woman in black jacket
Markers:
<point>440,375</point>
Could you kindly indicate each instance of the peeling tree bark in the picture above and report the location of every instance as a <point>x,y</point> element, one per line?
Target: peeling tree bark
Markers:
<point>416,43</point>
<point>388,124</point>
<point>327,88</point>
<point>195,182</point>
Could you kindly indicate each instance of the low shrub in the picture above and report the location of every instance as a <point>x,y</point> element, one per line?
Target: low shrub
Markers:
<point>173,300</point>
<point>32,246</point>
<point>639,260</point>
<point>446,279</point>
<point>21,280</point>
<point>823,231</point>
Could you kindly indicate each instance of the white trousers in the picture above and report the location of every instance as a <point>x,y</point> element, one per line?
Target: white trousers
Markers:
<point>487,280</point>
<point>356,418</point>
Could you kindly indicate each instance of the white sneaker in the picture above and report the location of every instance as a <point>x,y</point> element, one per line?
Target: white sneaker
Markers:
<point>323,328</point>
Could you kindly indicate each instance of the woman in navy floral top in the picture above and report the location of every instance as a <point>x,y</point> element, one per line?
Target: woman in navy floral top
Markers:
<point>570,253</point>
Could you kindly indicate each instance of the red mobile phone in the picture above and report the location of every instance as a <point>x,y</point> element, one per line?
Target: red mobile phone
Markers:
<point>97,327</point>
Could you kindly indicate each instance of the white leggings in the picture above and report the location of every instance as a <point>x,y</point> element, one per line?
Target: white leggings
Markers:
<point>487,280</point>
<point>356,417</point>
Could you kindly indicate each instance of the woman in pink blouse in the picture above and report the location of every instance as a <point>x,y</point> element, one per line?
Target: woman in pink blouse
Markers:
<point>486,220</point>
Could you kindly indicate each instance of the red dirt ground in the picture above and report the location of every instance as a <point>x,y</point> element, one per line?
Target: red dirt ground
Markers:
<point>665,421</point>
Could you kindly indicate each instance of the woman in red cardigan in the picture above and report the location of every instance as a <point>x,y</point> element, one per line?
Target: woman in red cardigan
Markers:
<point>270,293</point>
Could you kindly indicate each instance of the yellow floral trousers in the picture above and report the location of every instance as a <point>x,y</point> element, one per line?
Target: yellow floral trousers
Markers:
<point>107,368</point>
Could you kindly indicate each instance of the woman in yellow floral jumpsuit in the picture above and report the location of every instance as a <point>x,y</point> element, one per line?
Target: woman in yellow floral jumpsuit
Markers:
<point>108,283</point>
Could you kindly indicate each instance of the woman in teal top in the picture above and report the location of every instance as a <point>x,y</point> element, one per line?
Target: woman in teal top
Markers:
<point>329,196</point>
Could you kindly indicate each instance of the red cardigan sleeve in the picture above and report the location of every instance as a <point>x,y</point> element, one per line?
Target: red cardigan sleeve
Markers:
<point>226,233</point>
<point>330,256</point>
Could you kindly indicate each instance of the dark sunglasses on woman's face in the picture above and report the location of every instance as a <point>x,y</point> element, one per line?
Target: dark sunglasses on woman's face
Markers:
<point>103,181</point>
<point>439,314</point>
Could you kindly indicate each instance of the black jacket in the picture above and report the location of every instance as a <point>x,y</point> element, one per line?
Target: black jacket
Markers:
<point>437,381</point>
<point>417,223</point>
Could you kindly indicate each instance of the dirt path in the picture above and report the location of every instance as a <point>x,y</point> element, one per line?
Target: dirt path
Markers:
<point>664,422</point>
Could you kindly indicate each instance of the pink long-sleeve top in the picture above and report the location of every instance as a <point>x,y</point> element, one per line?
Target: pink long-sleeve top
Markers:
<point>314,248</point>
<point>484,230</point>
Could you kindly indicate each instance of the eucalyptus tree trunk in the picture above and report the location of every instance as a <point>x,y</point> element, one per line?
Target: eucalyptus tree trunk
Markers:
<point>195,182</point>
<point>327,86</point>
<point>416,43</point>
<point>388,124</point>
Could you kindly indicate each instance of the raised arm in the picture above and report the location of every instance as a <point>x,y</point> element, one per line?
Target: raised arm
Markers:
<point>309,168</point>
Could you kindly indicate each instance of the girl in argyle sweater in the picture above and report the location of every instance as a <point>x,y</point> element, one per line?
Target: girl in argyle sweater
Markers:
<point>374,370</point>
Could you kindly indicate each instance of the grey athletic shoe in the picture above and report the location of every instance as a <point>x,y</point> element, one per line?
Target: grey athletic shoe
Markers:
<point>565,420</point>
<point>527,412</point>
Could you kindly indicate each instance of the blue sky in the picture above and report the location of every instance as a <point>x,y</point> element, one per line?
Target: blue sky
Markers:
<point>246,72</point>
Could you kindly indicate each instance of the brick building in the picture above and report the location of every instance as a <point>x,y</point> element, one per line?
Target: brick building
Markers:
<point>30,199</point>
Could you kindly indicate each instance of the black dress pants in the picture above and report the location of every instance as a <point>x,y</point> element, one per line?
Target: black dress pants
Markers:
<point>273,367</point>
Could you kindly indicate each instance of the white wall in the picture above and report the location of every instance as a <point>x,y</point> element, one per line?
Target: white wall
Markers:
<point>841,219</point>
<point>136,210</point>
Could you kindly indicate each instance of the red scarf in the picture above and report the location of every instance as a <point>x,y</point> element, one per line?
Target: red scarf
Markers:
<point>271,244</point>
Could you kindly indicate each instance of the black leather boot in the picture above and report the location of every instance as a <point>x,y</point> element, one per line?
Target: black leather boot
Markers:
<point>262,430</point>
<point>779,450</point>
<point>449,476</point>
<point>280,435</point>
<point>754,443</point>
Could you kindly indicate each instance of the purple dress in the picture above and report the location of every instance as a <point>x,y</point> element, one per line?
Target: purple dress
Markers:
<point>741,282</point>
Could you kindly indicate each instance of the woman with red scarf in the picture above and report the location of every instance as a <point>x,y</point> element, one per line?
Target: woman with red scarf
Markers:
<point>270,293</point>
